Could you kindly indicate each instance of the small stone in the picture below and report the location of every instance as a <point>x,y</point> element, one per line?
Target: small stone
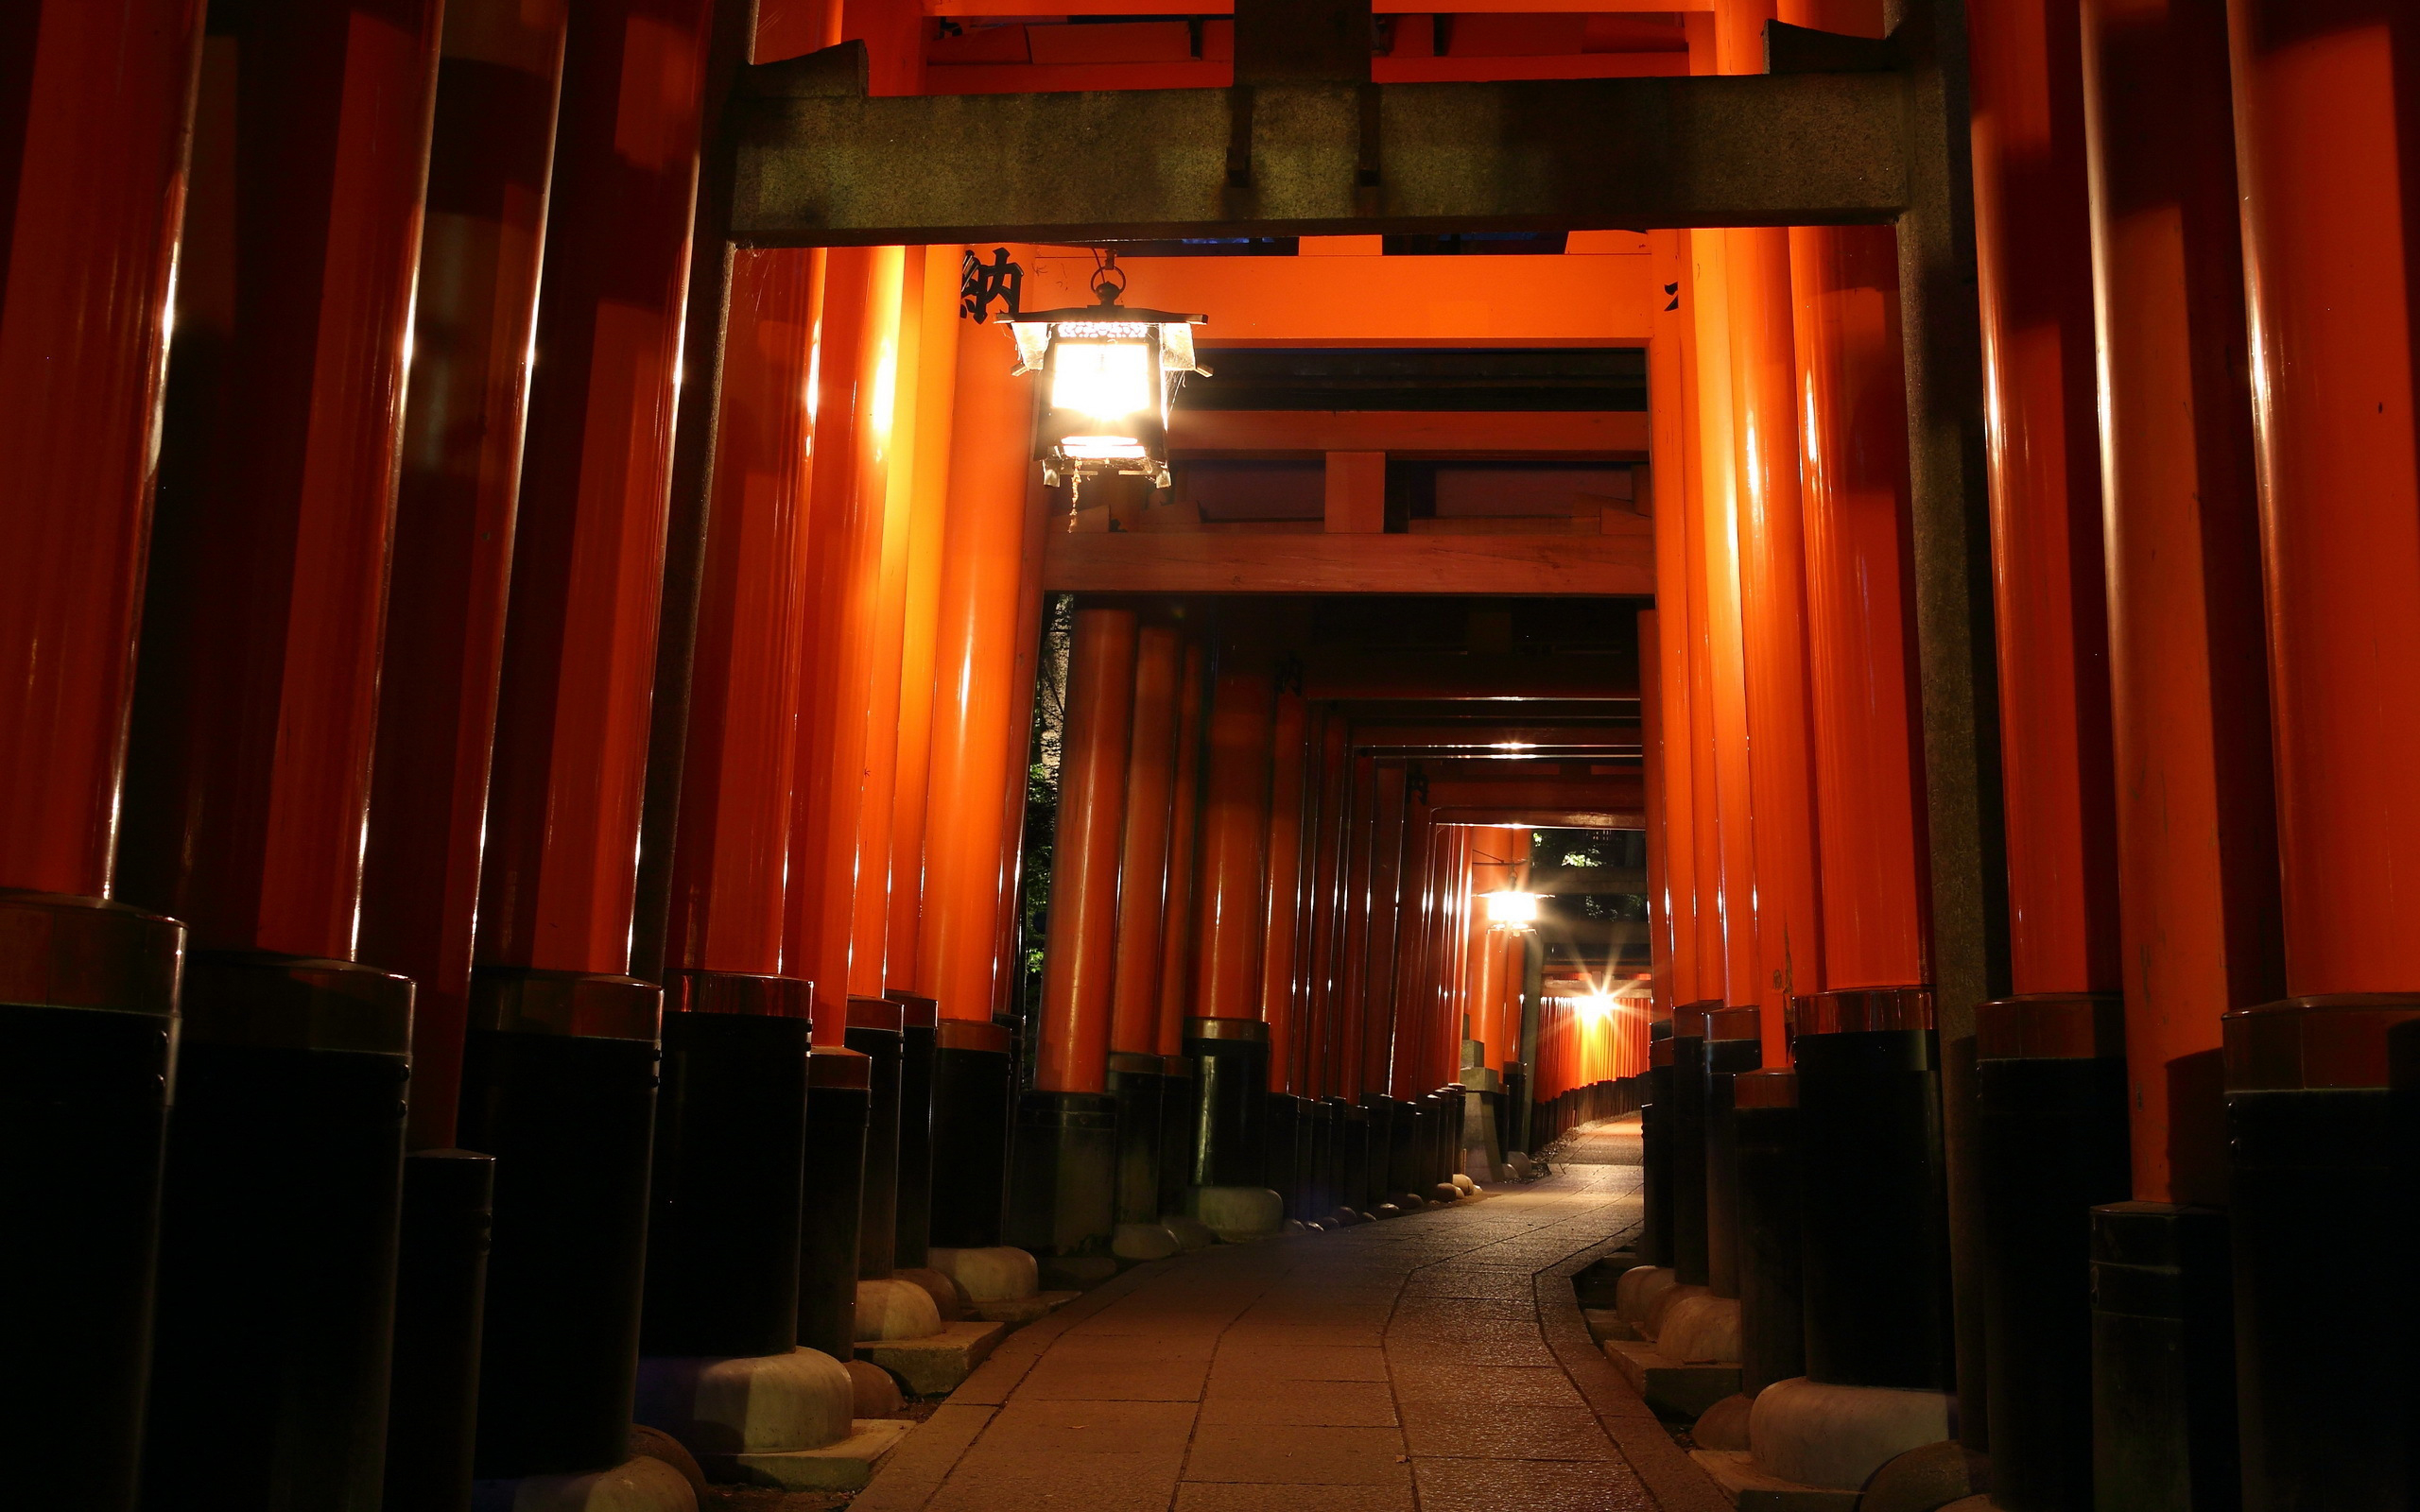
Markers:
<point>1462,1182</point>
<point>1446,1191</point>
<point>1346,1217</point>
<point>1523,1168</point>
<point>1386,1210</point>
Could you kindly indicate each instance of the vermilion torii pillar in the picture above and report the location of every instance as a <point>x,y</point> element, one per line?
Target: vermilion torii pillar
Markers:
<point>96,144</point>
<point>1137,1073</point>
<point>978,763</point>
<point>254,728</point>
<point>1226,1039</point>
<point>1064,1191</point>
<point>855,365</point>
<point>2197,840</point>
<point>559,1072</point>
<point>2049,1064</point>
<point>2320,93</point>
<point>490,167</point>
<point>723,1253</point>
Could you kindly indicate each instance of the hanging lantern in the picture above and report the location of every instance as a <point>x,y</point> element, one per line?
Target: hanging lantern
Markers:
<point>1108,376</point>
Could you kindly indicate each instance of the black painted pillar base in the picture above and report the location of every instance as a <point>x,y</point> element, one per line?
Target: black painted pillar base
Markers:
<point>1875,1218</point>
<point>874,1032</point>
<point>1177,1134</point>
<point>88,1001</point>
<point>2051,1143</point>
<point>1350,1166</point>
<point>723,1240</point>
<point>1512,1118</point>
<point>1442,1114</point>
<point>1655,1144</point>
<point>2322,1261</point>
<point>1063,1182</point>
<point>559,1084</point>
<point>1773,1319</point>
<point>919,1038</point>
<point>1404,1162</point>
<point>1378,1188</point>
<point>278,1222</point>
<point>839,1098</point>
<point>1282,1171</point>
<point>971,1129</point>
<point>2162,1360</point>
<point>440,1291</point>
<point>1140,1084</point>
<point>1319,1183</point>
<point>1231,1100</point>
<point>1686,1122</point>
<point>1733,1044</point>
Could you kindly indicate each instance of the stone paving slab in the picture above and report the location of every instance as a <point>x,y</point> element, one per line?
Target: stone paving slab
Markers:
<point>1438,1362</point>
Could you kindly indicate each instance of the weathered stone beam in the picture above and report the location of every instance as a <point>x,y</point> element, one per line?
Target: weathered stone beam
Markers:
<point>837,168</point>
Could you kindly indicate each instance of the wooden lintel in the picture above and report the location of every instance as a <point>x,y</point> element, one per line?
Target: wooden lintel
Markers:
<point>1222,563</point>
<point>1597,433</point>
<point>817,162</point>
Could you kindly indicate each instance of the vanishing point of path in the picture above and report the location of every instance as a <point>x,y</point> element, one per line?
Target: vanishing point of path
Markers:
<point>1434,1362</point>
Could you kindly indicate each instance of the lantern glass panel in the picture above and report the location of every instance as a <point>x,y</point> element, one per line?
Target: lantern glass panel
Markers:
<point>1106,380</point>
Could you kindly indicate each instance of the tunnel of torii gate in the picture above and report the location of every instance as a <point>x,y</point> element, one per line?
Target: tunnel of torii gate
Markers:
<point>1708,804</point>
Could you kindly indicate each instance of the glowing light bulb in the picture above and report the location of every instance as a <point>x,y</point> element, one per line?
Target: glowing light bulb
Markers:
<point>1512,907</point>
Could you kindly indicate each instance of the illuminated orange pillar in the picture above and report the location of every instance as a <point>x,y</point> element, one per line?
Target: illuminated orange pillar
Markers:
<point>895,410</point>
<point>739,777</point>
<point>96,143</point>
<point>1081,957</point>
<point>1327,886</point>
<point>100,100</point>
<point>2033,251</point>
<point>856,366</point>
<point>2325,258</point>
<point>919,660</point>
<point>2197,838</point>
<point>1772,592</point>
<point>253,732</point>
<point>2323,99</point>
<point>1235,841</point>
<point>1868,783</point>
<point>1713,544</point>
<point>978,763</point>
<point>1492,869</point>
<point>1380,1033</point>
<point>455,511</point>
<point>1352,923</point>
<point>1844,281</point>
<point>1281,894</point>
<point>1143,865</point>
<point>1184,832</point>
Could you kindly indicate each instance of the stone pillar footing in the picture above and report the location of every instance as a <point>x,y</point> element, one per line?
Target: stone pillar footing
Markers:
<point>637,1485</point>
<point>1834,1438</point>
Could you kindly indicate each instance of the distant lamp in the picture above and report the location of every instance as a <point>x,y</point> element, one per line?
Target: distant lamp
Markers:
<point>1109,376</point>
<point>1595,1005</point>
<point>1510,907</point>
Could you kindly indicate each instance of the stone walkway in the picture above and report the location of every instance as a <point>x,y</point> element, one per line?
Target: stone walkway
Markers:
<point>1434,1362</point>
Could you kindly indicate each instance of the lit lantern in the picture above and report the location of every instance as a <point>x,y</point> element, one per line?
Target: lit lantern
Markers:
<point>1108,374</point>
<point>1511,909</point>
<point>1594,1007</point>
